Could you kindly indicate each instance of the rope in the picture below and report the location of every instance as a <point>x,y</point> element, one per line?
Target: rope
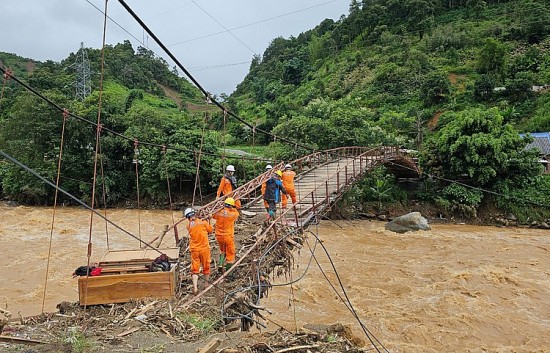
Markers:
<point>98,131</point>
<point>104,193</point>
<point>136,162</point>
<point>197,179</point>
<point>197,84</point>
<point>74,198</point>
<point>176,236</point>
<point>117,134</point>
<point>61,143</point>
<point>223,138</point>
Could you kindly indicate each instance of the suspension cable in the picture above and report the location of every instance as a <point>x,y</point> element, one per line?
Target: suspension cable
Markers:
<point>115,133</point>
<point>136,162</point>
<point>61,143</point>
<point>176,236</point>
<point>74,198</point>
<point>104,192</point>
<point>197,178</point>
<point>197,84</point>
<point>98,130</point>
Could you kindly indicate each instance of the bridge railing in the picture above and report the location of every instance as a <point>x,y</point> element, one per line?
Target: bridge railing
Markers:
<point>320,198</point>
<point>302,165</point>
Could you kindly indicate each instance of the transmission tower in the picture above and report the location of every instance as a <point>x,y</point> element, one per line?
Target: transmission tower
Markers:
<point>83,83</point>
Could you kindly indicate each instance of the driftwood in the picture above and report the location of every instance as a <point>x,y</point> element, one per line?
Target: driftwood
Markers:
<point>211,346</point>
<point>296,348</point>
<point>19,340</point>
<point>127,332</point>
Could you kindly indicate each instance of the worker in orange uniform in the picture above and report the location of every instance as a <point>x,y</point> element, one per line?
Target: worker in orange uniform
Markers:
<point>198,245</point>
<point>267,169</point>
<point>228,184</point>
<point>288,183</point>
<point>225,233</point>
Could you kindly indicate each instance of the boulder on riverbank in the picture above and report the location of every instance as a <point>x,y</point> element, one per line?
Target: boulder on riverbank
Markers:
<point>410,222</point>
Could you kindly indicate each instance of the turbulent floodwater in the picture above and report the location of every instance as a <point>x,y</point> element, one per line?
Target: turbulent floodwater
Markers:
<point>456,288</point>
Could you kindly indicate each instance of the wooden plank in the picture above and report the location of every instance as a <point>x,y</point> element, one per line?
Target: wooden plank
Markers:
<point>18,340</point>
<point>211,346</point>
<point>123,287</point>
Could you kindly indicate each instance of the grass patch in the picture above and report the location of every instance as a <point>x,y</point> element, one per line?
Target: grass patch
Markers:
<point>78,341</point>
<point>204,324</point>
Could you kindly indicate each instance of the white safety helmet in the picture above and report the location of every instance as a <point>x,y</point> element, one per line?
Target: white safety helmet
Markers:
<point>288,166</point>
<point>230,168</point>
<point>189,212</point>
<point>268,167</point>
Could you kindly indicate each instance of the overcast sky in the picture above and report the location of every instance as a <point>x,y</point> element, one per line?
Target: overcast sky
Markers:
<point>215,40</point>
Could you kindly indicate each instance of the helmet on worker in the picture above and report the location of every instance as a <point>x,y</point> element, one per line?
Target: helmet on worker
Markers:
<point>268,167</point>
<point>189,212</point>
<point>230,168</point>
<point>230,202</point>
<point>288,166</point>
<point>279,173</point>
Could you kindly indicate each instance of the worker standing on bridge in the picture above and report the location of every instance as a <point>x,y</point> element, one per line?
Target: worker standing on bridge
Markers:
<point>288,183</point>
<point>267,169</point>
<point>273,189</point>
<point>199,247</point>
<point>225,233</point>
<point>228,184</point>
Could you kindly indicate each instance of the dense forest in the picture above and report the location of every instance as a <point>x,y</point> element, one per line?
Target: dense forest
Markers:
<point>455,81</point>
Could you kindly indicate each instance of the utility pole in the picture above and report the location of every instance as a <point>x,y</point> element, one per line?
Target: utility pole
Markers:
<point>83,83</point>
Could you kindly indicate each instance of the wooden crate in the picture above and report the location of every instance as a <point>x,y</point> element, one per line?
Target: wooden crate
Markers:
<point>125,277</point>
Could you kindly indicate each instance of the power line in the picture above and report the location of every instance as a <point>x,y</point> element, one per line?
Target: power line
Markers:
<point>227,30</point>
<point>116,23</point>
<point>255,23</point>
<point>178,149</point>
<point>199,86</point>
<point>202,68</point>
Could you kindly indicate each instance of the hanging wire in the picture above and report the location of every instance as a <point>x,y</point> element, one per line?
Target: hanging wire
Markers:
<point>61,143</point>
<point>197,177</point>
<point>115,133</point>
<point>98,129</point>
<point>224,136</point>
<point>136,162</point>
<point>176,235</point>
<point>104,192</point>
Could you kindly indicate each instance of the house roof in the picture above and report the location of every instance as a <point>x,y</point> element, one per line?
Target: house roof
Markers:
<point>541,140</point>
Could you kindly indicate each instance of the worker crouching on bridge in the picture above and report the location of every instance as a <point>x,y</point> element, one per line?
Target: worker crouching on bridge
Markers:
<point>273,188</point>
<point>288,183</point>
<point>198,245</point>
<point>225,233</point>
<point>228,184</point>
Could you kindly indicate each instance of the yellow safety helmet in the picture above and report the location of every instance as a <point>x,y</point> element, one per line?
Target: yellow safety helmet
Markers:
<point>279,173</point>
<point>230,201</point>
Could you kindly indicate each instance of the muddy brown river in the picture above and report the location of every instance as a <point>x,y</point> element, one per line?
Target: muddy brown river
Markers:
<point>456,288</point>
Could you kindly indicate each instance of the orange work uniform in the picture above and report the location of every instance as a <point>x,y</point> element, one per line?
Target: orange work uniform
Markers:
<point>264,186</point>
<point>288,184</point>
<point>198,245</point>
<point>225,188</point>
<point>225,232</point>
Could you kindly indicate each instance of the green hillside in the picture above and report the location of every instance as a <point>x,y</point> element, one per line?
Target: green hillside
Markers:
<point>142,99</point>
<point>451,79</point>
<point>395,65</point>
